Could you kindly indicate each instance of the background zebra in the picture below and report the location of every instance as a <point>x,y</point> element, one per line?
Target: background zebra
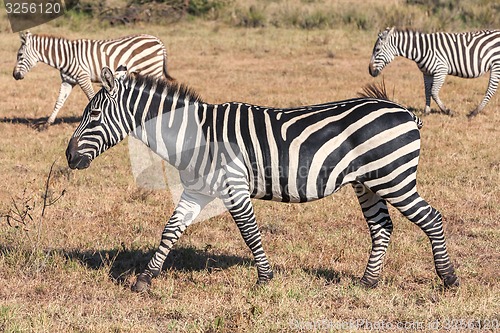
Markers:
<point>468,55</point>
<point>236,151</point>
<point>80,61</point>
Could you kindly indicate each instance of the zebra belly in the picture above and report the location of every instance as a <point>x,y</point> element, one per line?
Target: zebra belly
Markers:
<point>468,75</point>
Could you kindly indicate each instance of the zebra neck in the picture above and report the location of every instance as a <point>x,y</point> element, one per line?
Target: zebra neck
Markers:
<point>53,51</point>
<point>409,44</point>
<point>169,125</point>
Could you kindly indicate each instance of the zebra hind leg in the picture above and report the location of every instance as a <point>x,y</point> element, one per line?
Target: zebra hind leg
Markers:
<point>492,88</point>
<point>417,210</point>
<point>379,222</point>
<point>241,209</point>
<point>437,83</point>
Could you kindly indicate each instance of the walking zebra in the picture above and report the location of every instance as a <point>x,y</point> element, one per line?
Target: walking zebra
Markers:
<point>80,61</point>
<point>468,55</point>
<point>236,151</point>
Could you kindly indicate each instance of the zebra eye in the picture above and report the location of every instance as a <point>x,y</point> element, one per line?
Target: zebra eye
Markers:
<point>94,113</point>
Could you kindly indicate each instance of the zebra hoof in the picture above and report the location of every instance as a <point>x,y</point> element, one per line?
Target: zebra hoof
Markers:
<point>472,114</point>
<point>142,284</point>
<point>368,283</point>
<point>451,281</point>
<point>450,113</point>
<point>41,126</point>
<point>264,278</point>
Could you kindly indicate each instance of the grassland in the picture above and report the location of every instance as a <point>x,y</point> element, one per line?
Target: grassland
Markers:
<point>70,270</point>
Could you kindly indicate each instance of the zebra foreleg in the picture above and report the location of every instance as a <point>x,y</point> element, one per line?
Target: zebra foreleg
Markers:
<point>379,222</point>
<point>64,92</point>
<point>240,207</point>
<point>186,211</point>
<point>492,88</point>
<point>428,87</point>
<point>417,210</point>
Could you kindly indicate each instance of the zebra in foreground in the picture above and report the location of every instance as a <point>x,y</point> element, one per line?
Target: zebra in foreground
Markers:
<point>467,55</point>
<point>80,61</point>
<point>236,151</point>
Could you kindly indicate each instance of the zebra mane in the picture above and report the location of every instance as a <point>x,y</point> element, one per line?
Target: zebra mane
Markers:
<point>43,35</point>
<point>182,90</point>
<point>49,36</point>
<point>373,90</point>
<point>398,29</point>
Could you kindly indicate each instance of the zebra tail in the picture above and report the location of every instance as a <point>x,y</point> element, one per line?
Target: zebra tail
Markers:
<point>417,120</point>
<point>165,72</point>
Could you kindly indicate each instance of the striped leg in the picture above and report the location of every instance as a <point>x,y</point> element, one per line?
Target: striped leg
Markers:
<point>437,83</point>
<point>239,205</point>
<point>492,88</point>
<point>428,86</point>
<point>417,210</point>
<point>379,222</point>
<point>64,91</point>
<point>186,211</point>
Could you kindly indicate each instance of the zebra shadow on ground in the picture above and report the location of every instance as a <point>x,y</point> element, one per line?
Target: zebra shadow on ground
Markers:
<point>329,276</point>
<point>124,263</point>
<point>121,264</point>
<point>39,122</point>
<point>420,111</point>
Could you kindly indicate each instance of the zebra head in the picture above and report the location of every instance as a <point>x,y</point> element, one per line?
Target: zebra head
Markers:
<point>105,121</point>
<point>27,57</point>
<point>383,52</point>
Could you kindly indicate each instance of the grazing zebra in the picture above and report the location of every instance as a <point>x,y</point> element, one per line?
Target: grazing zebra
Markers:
<point>80,61</point>
<point>468,55</point>
<point>236,151</point>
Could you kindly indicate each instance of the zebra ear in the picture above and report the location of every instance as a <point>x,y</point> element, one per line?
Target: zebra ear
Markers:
<point>107,78</point>
<point>24,37</point>
<point>386,33</point>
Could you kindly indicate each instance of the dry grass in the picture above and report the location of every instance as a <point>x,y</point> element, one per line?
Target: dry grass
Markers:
<point>76,277</point>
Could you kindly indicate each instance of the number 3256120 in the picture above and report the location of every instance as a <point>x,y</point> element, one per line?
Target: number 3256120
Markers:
<point>32,8</point>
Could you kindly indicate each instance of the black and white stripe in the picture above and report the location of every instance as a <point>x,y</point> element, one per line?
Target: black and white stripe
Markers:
<point>467,55</point>
<point>80,61</point>
<point>237,151</point>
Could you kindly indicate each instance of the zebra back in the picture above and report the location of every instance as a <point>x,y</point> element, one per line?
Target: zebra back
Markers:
<point>141,53</point>
<point>379,91</point>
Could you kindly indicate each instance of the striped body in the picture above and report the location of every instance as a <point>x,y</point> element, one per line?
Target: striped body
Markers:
<point>289,155</point>
<point>467,55</point>
<point>81,61</point>
<point>237,151</point>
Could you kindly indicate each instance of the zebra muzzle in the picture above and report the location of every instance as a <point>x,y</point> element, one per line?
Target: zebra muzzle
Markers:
<point>75,159</point>
<point>17,75</point>
<point>373,71</point>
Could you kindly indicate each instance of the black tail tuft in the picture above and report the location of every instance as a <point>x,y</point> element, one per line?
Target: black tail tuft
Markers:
<point>417,120</point>
<point>165,72</point>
